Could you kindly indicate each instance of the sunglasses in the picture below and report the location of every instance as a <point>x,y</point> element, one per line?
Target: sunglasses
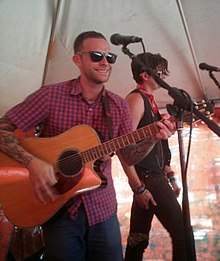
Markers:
<point>96,56</point>
<point>160,74</point>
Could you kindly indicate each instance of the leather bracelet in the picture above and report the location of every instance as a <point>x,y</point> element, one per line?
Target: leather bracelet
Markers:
<point>139,190</point>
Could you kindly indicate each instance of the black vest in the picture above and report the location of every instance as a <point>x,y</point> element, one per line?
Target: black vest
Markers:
<point>160,154</point>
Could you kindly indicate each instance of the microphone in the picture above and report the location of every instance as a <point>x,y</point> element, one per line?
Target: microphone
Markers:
<point>204,66</point>
<point>118,39</point>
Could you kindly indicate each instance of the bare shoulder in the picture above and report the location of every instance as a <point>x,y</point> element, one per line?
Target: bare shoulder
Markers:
<point>134,98</point>
<point>136,105</point>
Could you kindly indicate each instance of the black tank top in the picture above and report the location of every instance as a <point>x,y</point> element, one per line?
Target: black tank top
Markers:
<point>160,154</point>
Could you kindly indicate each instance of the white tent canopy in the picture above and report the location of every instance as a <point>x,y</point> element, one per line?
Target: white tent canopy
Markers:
<point>37,38</point>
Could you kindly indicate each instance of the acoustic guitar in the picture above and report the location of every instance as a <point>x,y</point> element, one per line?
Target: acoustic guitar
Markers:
<point>73,155</point>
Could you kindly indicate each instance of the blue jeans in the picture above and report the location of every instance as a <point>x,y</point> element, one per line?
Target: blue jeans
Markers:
<point>75,240</point>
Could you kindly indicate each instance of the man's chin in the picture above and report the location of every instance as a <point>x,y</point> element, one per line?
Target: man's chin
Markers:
<point>101,81</point>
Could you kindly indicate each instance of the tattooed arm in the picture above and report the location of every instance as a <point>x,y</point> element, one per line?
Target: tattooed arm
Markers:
<point>134,153</point>
<point>41,173</point>
<point>9,142</point>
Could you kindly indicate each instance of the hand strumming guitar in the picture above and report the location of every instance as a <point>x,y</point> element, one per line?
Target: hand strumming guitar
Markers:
<point>43,179</point>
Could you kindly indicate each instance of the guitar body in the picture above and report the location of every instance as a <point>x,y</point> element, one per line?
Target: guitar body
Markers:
<point>17,198</point>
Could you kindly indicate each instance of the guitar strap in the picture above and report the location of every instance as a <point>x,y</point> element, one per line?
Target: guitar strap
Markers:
<point>108,116</point>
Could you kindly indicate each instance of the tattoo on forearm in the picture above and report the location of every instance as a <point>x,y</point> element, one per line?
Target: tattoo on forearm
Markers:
<point>9,144</point>
<point>6,124</point>
<point>136,152</point>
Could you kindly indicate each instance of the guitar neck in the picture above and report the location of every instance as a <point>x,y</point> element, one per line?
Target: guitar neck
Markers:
<point>115,144</point>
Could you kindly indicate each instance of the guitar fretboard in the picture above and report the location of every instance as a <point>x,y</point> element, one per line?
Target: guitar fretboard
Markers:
<point>115,144</point>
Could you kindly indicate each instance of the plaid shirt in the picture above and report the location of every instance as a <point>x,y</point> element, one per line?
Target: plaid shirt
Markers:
<point>61,106</point>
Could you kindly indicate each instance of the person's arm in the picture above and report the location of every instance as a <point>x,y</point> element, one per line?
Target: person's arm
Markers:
<point>172,179</point>
<point>9,142</point>
<point>134,153</point>
<point>141,194</point>
<point>168,169</point>
<point>41,174</point>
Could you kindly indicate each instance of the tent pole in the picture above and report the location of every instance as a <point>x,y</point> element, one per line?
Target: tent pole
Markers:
<point>190,44</point>
<point>51,41</point>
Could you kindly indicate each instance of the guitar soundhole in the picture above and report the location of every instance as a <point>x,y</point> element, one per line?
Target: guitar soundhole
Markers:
<point>70,163</point>
<point>70,172</point>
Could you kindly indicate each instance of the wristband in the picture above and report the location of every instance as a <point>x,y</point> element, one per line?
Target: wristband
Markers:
<point>139,190</point>
<point>170,174</point>
<point>172,178</point>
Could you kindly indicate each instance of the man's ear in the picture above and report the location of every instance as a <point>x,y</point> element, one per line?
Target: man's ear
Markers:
<point>76,59</point>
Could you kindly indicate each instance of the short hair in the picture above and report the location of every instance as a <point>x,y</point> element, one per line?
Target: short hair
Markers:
<point>152,61</point>
<point>77,45</point>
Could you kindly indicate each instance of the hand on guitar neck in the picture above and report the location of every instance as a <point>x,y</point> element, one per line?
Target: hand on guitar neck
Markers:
<point>167,128</point>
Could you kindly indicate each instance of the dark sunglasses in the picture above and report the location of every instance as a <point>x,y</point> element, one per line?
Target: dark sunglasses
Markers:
<point>160,74</point>
<point>96,56</point>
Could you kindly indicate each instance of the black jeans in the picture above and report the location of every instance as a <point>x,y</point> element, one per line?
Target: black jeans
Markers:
<point>169,213</point>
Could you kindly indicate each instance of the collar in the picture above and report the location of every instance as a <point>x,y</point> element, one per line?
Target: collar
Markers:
<point>77,89</point>
<point>151,98</point>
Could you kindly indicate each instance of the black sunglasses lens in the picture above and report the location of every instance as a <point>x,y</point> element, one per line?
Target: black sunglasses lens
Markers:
<point>160,74</point>
<point>111,57</point>
<point>98,56</point>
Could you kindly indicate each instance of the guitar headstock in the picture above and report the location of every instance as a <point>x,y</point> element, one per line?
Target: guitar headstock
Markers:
<point>204,107</point>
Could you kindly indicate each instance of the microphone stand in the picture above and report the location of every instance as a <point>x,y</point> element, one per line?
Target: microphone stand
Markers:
<point>190,242</point>
<point>183,101</point>
<point>214,79</point>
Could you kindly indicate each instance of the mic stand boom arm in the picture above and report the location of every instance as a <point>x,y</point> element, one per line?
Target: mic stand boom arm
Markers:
<point>214,79</point>
<point>182,100</point>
